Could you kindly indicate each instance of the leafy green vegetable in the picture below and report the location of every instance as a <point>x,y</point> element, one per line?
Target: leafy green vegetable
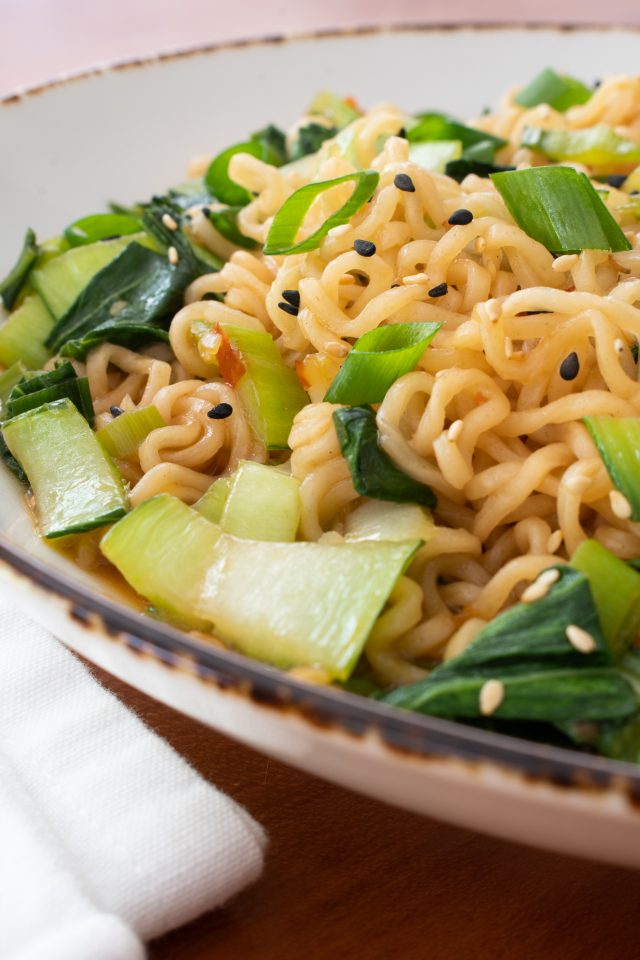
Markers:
<point>598,146</point>
<point>615,588</point>
<point>459,169</point>
<point>560,92</point>
<point>225,221</point>
<point>336,109</point>
<point>289,218</point>
<point>435,155</point>
<point>124,434</point>
<point>525,648</point>
<point>618,443</point>
<point>309,139</point>
<point>373,472</point>
<point>101,226</point>
<point>24,332</point>
<point>559,207</point>
<point>378,359</point>
<point>34,389</point>
<point>267,145</point>
<point>440,126</point>
<point>8,380</point>
<point>12,284</point>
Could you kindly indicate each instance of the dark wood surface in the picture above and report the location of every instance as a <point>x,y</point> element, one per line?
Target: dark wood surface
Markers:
<point>348,877</point>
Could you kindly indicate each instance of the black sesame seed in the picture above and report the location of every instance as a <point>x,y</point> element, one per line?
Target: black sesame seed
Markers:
<point>616,180</point>
<point>221,411</point>
<point>440,291</point>
<point>404,182</point>
<point>364,247</point>
<point>570,367</point>
<point>634,193</point>
<point>596,84</point>
<point>288,308</point>
<point>115,411</point>
<point>292,297</point>
<point>402,133</point>
<point>205,211</point>
<point>460,217</point>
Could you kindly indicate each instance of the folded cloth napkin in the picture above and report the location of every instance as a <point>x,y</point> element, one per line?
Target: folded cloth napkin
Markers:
<point>107,837</point>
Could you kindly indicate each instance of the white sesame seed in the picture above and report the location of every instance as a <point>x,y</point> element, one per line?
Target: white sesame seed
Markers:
<point>619,345</point>
<point>416,278</point>
<point>169,222</point>
<point>336,349</point>
<point>578,484</point>
<point>549,577</point>
<point>535,591</point>
<point>580,639</point>
<point>491,696</point>
<point>508,348</point>
<point>454,431</point>
<point>340,230</point>
<point>554,542</point>
<point>567,262</point>
<point>494,310</point>
<point>172,254</point>
<point>620,505</point>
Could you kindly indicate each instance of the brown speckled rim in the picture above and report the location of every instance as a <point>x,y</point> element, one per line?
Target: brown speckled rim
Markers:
<point>420,737</point>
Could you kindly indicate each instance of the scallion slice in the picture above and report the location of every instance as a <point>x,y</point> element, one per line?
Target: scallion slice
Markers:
<point>290,216</point>
<point>560,92</point>
<point>225,221</point>
<point>12,284</point>
<point>618,443</point>
<point>47,386</point>
<point>101,226</point>
<point>378,359</point>
<point>440,126</point>
<point>124,434</point>
<point>373,472</point>
<point>598,146</point>
<point>560,208</point>
<point>267,145</point>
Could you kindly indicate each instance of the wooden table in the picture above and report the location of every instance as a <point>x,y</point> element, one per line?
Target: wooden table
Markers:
<point>346,877</point>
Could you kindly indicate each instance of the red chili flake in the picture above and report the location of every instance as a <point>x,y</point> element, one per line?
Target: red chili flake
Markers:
<point>230,362</point>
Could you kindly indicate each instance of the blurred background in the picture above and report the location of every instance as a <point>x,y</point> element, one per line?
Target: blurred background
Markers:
<point>44,38</point>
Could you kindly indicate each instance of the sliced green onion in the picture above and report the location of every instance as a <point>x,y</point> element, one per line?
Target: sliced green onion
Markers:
<point>440,126</point>
<point>36,389</point>
<point>334,108</point>
<point>373,472</point>
<point>123,435</point>
<point>598,146</point>
<point>267,145</point>
<point>12,284</point>
<point>101,226</point>
<point>559,207</point>
<point>378,359</point>
<point>435,155</point>
<point>615,588</point>
<point>560,92</point>
<point>225,221</point>
<point>289,218</point>
<point>618,443</point>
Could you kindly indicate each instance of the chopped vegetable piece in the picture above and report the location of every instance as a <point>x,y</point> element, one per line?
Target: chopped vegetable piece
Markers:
<point>339,111</point>
<point>8,380</point>
<point>75,485</point>
<point>598,146</point>
<point>23,334</point>
<point>440,126</point>
<point>378,359</point>
<point>269,391</point>
<point>12,284</point>
<point>225,221</point>
<point>560,92</point>
<point>459,169</point>
<point>373,472</point>
<point>263,503</point>
<point>211,503</point>
<point>164,550</point>
<point>124,434</point>
<point>34,389</point>
<point>377,520</point>
<point>558,207</point>
<point>101,226</point>
<point>310,138</point>
<point>618,443</point>
<point>435,155</point>
<point>267,145</point>
<point>615,588</point>
<point>311,605</point>
<point>60,280</point>
<point>289,218</point>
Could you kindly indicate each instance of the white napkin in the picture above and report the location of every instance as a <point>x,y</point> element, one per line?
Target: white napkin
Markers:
<point>107,837</point>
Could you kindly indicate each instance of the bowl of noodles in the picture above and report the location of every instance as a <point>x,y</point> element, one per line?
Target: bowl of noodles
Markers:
<point>332,442</point>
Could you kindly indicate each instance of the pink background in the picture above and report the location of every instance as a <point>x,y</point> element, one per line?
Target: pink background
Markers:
<point>41,39</point>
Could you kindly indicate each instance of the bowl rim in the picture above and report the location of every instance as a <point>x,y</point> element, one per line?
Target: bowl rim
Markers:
<point>416,735</point>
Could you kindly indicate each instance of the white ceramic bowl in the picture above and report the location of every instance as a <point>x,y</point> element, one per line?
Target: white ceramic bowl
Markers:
<point>128,131</point>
